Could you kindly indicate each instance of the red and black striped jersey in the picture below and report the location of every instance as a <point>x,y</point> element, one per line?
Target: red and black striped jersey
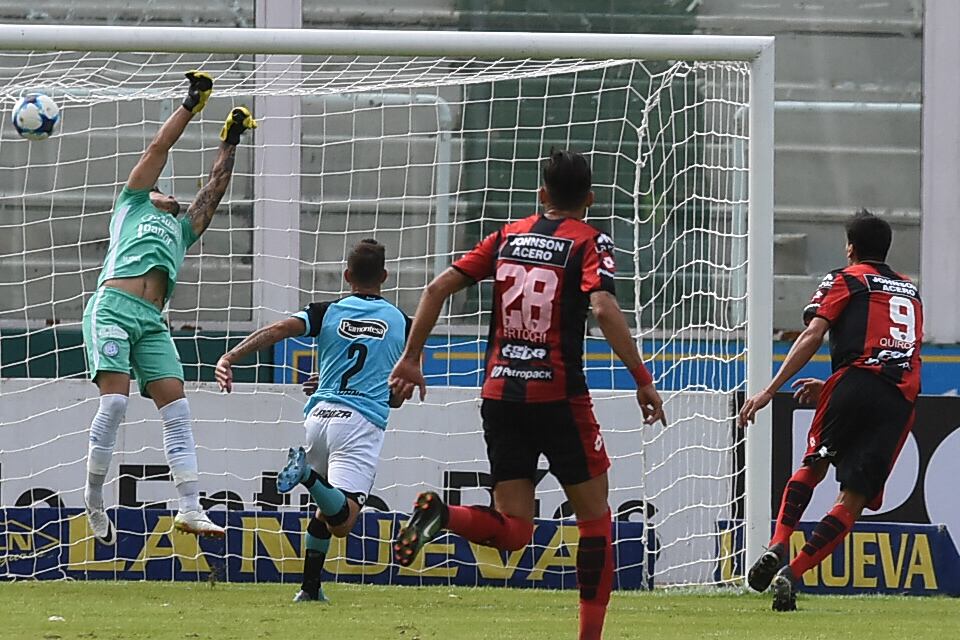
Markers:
<point>876,322</point>
<point>545,271</point>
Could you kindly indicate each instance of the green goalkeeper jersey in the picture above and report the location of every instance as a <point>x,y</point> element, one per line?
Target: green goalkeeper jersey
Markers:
<point>143,237</point>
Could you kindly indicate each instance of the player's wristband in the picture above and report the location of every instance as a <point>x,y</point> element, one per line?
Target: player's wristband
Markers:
<point>641,376</point>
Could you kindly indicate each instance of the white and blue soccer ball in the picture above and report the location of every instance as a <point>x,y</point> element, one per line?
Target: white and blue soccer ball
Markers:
<point>35,116</point>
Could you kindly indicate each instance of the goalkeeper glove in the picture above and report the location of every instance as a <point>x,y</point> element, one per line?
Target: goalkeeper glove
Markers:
<point>201,86</point>
<point>239,120</point>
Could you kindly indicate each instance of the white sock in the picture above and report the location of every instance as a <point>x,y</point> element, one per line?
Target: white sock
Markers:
<point>103,438</point>
<point>181,452</point>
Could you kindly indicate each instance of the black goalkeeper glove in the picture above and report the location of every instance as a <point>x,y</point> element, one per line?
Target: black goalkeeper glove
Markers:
<point>239,120</point>
<point>201,86</point>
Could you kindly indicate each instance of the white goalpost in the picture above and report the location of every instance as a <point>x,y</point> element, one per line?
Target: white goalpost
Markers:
<point>426,141</point>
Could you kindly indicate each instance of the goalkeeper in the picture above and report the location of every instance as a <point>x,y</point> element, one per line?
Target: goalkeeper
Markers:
<point>359,340</point>
<point>123,329</point>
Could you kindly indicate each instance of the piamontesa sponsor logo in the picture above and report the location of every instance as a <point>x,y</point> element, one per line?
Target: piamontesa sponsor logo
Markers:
<point>369,328</point>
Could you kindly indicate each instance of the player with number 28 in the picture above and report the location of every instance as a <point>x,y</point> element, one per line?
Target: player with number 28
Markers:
<point>548,270</point>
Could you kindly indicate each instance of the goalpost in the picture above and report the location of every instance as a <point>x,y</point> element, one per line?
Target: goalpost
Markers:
<point>427,141</point>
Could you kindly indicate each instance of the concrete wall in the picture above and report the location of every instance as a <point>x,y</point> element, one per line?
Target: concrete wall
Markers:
<point>829,164</point>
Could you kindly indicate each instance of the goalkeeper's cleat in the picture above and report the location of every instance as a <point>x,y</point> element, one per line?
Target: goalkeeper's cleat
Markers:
<point>101,526</point>
<point>197,523</point>
<point>239,120</point>
<point>294,472</point>
<point>784,591</point>
<point>303,596</point>
<point>766,566</point>
<point>201,86</point>
<point>428,519</point>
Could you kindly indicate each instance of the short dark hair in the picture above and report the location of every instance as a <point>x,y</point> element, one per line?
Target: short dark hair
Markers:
<point>568,179</point>
<point>366,261</point>
<point>870,236</point>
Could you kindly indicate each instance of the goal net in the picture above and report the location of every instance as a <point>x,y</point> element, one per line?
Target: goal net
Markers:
<point>427,154</point>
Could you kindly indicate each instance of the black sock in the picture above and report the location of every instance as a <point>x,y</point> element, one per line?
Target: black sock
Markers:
<point>318,542</point>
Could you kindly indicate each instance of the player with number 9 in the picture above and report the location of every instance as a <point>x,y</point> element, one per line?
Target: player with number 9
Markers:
<point>359,339</point>
<point>864,410</point>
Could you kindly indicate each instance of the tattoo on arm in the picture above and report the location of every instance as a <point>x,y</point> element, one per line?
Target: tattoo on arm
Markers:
<point>208,198</point>
<point>259,339</point>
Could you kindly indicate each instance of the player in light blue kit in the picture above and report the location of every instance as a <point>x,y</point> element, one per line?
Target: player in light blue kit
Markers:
<point>359,340</point>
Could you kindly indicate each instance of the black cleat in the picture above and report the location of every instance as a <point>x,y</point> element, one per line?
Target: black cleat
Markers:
<point>427,521</point>
<point>784,592</point>
<point>766,566</point>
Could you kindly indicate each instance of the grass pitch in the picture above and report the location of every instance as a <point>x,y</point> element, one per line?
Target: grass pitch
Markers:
<point>107,610</point>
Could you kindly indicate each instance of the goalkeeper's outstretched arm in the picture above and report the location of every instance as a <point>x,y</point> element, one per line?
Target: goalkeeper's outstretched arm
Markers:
<point>208,198</point>
<point>151,163</point>
<point>260,339</point>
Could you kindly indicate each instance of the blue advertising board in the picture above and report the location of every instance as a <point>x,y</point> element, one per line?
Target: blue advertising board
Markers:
<point>876,557</point>
<point>680,364</point>
<point>47,543</point>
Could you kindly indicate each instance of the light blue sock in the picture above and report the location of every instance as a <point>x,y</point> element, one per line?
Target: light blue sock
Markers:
<point>329,499</point>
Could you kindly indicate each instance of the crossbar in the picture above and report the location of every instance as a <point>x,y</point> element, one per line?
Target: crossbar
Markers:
<point>493,44</point>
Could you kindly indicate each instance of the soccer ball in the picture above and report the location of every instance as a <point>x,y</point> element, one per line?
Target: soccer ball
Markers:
<point>35,115</point>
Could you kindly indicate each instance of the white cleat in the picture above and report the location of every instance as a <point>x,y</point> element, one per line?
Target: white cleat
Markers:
<point>197,523</point>
<point>101,526</point>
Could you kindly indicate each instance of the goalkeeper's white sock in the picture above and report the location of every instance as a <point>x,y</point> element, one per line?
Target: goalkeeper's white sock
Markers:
<point>181,452</point>
<point>103,438</point>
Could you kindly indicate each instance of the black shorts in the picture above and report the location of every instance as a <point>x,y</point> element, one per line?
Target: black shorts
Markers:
<point>566,432</point>
<point>860,425</point>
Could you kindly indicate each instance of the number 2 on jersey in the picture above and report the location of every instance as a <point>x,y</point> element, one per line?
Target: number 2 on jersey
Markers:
<point>536,287</point>
<point>355,349</point>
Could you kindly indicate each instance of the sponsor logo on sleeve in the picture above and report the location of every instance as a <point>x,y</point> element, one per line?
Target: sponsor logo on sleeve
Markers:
<point>369,328</point>
<point>604,246</point>
<point>533,248</point>
<point>604,243</point>
<point>607,267</point>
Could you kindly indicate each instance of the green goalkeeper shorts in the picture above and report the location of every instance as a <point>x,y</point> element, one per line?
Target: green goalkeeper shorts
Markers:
<point>124,333</point>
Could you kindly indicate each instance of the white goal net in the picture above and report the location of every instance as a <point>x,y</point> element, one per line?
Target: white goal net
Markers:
<point>427,155</point>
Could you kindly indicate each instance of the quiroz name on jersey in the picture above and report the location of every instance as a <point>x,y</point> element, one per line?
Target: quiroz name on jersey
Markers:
<point>534,248</point>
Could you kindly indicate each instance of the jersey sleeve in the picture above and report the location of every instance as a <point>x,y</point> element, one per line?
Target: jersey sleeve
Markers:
<point>480,263</point>
<point>186,230</point>
<point>829,300</point>
<point>312,316</point>
<point>599,268</point>
<point>133,196</point>
<point>408,323</point>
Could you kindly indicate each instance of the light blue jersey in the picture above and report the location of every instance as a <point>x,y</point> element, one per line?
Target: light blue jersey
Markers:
<point>359,339</point>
